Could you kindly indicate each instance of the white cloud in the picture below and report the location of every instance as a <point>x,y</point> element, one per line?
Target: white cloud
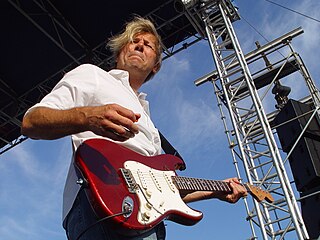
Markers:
<point>12,229</point>
<point>181,106</point>
<point>31,190</point>
<point>22,159</point>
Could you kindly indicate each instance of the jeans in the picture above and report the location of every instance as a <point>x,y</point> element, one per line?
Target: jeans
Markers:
<point>82,216</point>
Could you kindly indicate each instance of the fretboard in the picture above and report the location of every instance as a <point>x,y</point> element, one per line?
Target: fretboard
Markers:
<point>197,184</point>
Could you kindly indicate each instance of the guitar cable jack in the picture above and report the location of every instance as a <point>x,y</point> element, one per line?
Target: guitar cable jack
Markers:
<point>127,206</point>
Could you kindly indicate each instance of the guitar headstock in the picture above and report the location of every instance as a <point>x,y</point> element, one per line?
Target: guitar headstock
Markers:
<point>259,194</point>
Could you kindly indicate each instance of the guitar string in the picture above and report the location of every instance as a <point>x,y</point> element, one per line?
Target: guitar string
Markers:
<point>194,181</point>
<point>199,184</point>
<point>160,174</point>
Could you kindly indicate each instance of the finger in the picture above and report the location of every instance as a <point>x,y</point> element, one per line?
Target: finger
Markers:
<point>238,190</point>
<point>235,180</point>
<point>123,126</point>
<point>109,133</point>
<point>117,129</point>
<point>116,137</point>
<point>126,133</point>
<point>124,118</point>
<point>230,198</point>
<point>138,116</point>
<point>127,113</point>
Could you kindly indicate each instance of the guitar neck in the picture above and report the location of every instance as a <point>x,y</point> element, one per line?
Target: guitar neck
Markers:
<point>197,184</point>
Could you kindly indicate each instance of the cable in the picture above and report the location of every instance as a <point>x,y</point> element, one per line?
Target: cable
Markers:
<point>101,220</point>
<point>254,28</point>
<point>304,15</point>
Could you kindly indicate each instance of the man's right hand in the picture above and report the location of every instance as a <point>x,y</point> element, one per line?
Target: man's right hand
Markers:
<point>111,120</point>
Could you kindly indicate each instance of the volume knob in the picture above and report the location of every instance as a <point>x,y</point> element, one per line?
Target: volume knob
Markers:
<point>148,206</point>
<point>148,193</point>
<point>146,216</point>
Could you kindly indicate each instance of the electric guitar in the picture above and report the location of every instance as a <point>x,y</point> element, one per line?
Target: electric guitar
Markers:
<point>145,189</point>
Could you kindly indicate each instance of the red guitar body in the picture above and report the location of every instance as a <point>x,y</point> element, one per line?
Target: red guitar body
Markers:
<point>153,198</point>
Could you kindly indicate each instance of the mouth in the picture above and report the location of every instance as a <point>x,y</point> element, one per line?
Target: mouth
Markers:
<point>136,55</point>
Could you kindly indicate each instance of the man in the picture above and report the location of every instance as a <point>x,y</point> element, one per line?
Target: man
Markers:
<point>92,103</point>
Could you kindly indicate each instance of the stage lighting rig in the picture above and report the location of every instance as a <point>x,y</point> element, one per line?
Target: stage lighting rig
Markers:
<point>281,94</point>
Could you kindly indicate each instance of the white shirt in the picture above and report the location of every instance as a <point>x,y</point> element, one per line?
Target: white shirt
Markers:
<point>88,85</point>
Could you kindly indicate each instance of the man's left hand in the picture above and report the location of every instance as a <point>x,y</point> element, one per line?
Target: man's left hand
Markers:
<point>238,191</point>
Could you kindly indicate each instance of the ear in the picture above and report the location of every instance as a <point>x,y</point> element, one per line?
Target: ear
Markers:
<point>156,68</point>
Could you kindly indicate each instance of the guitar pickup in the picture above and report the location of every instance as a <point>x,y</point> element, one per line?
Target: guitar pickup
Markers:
<point>129,179</point>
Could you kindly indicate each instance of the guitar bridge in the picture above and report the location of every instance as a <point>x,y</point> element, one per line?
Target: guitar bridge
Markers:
<point>131,183</point>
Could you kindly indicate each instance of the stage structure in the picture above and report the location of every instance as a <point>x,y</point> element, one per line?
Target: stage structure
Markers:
<point>241,83</point>
<point>257,139</point>
<point>52,37</point>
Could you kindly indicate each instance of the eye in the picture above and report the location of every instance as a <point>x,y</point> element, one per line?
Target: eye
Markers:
<point>145,43</point>
<point>136,40</point>
<point>149,46</point>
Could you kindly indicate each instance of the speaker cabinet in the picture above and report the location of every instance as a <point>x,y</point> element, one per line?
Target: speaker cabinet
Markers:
<point>305,157</point>
<point>310,208</point>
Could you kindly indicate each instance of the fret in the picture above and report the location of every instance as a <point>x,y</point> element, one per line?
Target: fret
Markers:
<point>177,182</point>
<point>182,183</point>
<point>220,185</point>
<point>216,186</point>
<point>211,185</point>
<point>209,182</point>
<point>203,184</point>
<point>196,184</point>
<point>228,188</point>
<point>188,183</point>
<point>207,185</point>
<point>185,183</point>
<point>224,186</point>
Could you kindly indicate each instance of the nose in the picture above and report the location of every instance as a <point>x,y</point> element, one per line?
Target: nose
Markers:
<point>139,45</point>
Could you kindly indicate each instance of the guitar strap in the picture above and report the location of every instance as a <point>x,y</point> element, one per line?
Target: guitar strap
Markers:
<point>168,148</point>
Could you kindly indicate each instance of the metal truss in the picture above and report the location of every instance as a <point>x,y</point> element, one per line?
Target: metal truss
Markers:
<point>47,18</point>
<point>243,85</point>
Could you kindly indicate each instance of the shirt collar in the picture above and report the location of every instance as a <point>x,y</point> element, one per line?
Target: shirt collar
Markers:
<point>123,76</point>
<point>142,95</point>
<point>120,75</point>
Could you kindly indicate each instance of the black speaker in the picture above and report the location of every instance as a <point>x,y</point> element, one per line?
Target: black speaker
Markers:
<point>290,129</point>
<point>310,208</point>
<point>305,164</point>
<point>305,157</point>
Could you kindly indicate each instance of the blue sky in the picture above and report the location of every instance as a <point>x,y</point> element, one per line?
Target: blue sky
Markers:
<point>33,173</point>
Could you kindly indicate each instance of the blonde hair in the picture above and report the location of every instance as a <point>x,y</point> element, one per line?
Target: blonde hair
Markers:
<point>132,28</point>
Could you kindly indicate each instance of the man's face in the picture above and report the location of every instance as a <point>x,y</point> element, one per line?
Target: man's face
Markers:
<point>139,55</point>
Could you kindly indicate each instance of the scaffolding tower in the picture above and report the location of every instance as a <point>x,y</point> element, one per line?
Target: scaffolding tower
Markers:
<point>242,84</point>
